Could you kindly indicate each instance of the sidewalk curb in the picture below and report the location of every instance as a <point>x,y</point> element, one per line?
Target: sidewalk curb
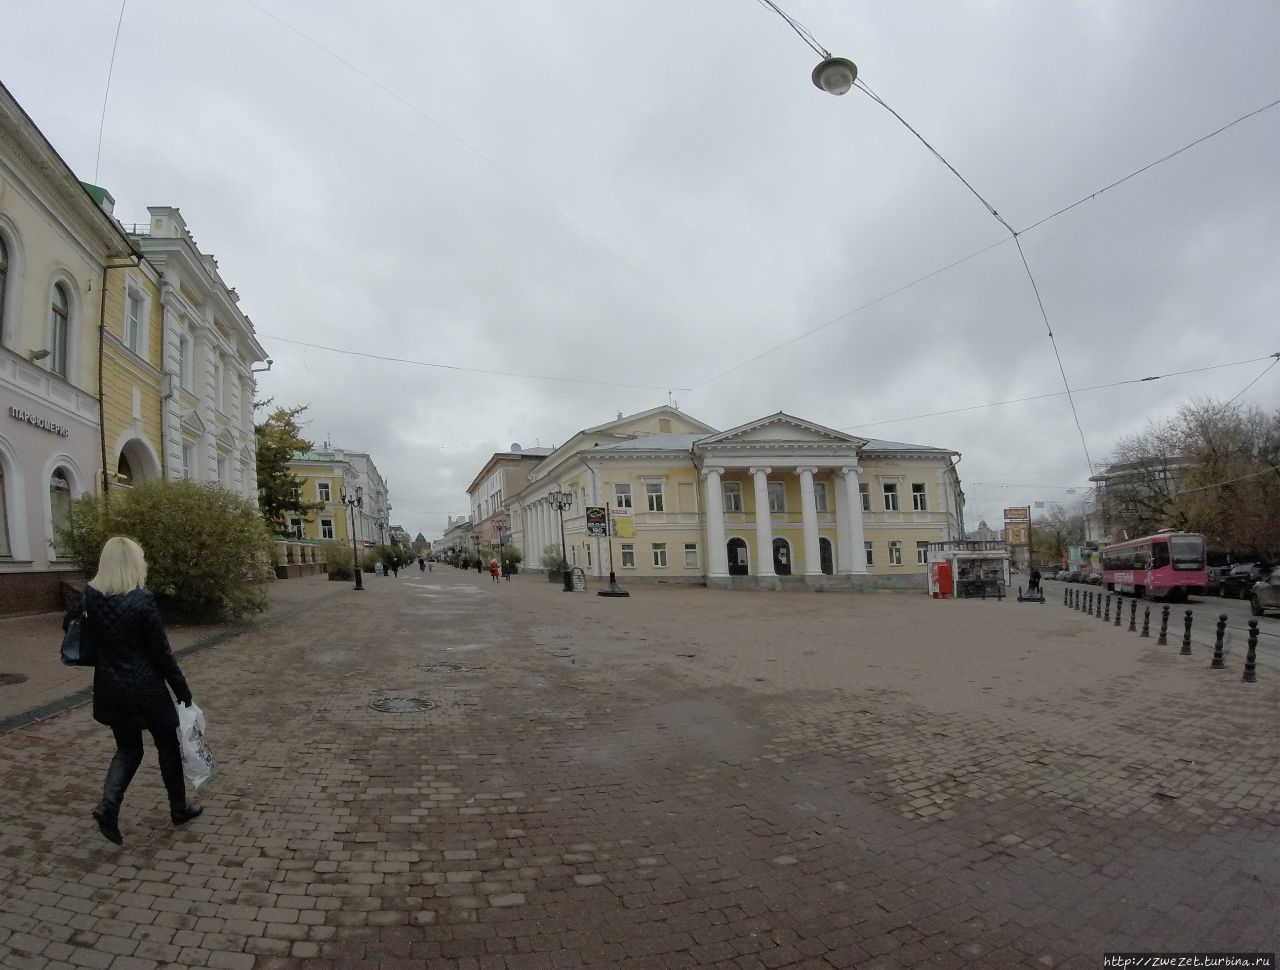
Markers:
<point>81,697</point>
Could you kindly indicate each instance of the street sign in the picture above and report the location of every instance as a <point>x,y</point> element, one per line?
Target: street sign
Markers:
<point>597,521</point>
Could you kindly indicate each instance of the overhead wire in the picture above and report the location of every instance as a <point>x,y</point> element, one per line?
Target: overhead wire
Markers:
<point>111,67</point>
<point>1273,363</point>
<point>1078,390</point>
<point>470,370</point>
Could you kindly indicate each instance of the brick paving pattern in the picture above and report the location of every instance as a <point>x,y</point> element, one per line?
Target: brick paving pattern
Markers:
<point>686,778</point>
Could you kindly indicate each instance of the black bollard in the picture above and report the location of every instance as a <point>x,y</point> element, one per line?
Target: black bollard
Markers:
<point>1106,616</point>
<point>1133,616</point>
<point>1088,601</point>
<point>1065,593</point>
<point>1164,627</point>
<point>1251,658</point>
<point>1097,605</point>
<point>1119,608</point>
<point>1186,636</point>
<point>1218,662</point>
<point>1075,599</point>
<point>1146,621</point>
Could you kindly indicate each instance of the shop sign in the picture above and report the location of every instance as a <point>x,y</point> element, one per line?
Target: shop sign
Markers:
<point>44,424</point>
<point>597,521</point>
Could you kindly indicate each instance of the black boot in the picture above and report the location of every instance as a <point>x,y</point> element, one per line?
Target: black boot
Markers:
<point>119,773</point>
<point>180,813</point>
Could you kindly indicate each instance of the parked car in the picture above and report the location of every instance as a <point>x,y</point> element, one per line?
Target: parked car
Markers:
<point>1238,583</point>
<point>1216,575</point>
<point>1265,594</point>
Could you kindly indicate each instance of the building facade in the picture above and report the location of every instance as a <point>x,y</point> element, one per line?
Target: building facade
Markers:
<point>58,246</point>
<point>207,356</point>
<point>778,501</point>
<point>457,536</point>
<point>506,473</point>
<point>326,474</point>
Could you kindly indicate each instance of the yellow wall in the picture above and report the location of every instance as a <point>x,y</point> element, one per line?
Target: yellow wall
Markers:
<point>123,371</point>
<point>311,475</point>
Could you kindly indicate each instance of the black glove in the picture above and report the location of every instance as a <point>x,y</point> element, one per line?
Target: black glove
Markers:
<point>185,699</point>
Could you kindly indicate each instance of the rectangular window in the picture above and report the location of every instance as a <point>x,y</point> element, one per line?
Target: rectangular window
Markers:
<point>217,383</point>
<point>295,526</point>
<point>322,492</point>
<point>621,496</point>
<point>223,472</point>
<point>691,555</point>
<point>185,370</point>
<point>918,500</point>
<point>5,548</point>
<point>133,323</point>
<point>922,553</point>
<point>871,555</point>
<point>891,496</point>
<point>820,496</point>
<point>628,555</point>
<point>188,460</point>
<point>895,553</point>
<point>654,491</point>
<point>660,554</point>
<point>326,528</point>
<point>732,496</point>
<point>777,497</point>
<point>864,491</point>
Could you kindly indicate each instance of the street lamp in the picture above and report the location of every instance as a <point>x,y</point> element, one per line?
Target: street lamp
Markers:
<point>352,502</point>
<point>500,523</point>
<point>560,501</point>
<point>835,75</point>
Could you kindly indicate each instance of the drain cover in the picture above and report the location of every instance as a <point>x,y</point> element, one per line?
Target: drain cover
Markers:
<point>444,668</point>
<point>7,680</point>
<point>401,705</point>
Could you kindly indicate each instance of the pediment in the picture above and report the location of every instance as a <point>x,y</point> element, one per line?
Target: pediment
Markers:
<point>782,428</point>
<point>225,440</point>
<point>192,424</point>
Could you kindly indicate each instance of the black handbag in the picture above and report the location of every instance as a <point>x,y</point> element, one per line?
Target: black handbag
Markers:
<point>77,649</point>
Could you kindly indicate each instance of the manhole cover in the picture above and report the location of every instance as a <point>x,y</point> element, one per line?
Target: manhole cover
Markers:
<point>401,705</point>
<point>7,680</point>
<point>444,668</point>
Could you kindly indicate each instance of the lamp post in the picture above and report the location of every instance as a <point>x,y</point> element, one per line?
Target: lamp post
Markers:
<point>500,523</point>
<point>475,541</point>
<point>561,500</point>
<point>352,502</point>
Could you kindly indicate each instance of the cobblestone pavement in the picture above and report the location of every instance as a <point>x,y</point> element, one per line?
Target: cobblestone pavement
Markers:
<point>685,778</point>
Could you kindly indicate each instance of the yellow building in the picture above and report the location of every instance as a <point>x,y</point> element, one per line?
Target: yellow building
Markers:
<point>324,477</point>
<point>684,500</point>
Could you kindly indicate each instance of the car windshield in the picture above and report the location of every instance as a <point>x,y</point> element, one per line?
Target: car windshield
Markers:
<point>1187,552</point>
<point>1242,570</point>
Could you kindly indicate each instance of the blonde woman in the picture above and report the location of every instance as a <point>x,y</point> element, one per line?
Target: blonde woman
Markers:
<point>134,662</point>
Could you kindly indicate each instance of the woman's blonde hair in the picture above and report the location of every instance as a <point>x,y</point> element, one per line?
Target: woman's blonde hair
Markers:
<point>121,568</point>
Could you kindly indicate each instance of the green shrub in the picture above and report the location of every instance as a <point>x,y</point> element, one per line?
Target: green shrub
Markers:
<point>512,555</point>
<point>209,554</point>
<point>337,557</point>
<point>553,561</point>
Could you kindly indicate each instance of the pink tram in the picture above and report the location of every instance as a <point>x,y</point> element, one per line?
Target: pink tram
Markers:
<point>1167,565</point>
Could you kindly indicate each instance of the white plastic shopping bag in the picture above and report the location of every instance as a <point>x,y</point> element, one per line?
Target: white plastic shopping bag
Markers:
<point>197,759</point>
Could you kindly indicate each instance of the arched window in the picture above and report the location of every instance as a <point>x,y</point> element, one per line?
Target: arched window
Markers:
<point>124,471</point>
<point>5,548</point>
<point>59,328</point>
<point>60,507</point>
<point>4,276</point>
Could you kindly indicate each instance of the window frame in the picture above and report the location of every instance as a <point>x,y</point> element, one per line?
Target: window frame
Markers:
<point>922,553</point>
<point>324,492</point>
<point>622,496</point>
<point>890,492</point>
<point>135,328</point>
<point>628,550</point>
<point>731,494</point>
<point>60,330</point>
<point>690,547</point>
<point>189,458</point>
<point>660,495</point>
<point>869,551</point>
<point>820,498</point>
<point>296,527</point>
<point>327,526</point>
<point>6,547</point>
<point>6,263</point>
<point>864,493</point>
<point>895,552</point>
<point>186,365</point>
<point>60,503</point>
<point>920,499</point>
<point>658,550</point>
<point>779,489</point>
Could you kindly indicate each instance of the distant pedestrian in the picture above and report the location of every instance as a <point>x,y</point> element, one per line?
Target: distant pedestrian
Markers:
<point>1034,586</point>
<point>507,570</point>
<point>493,570</point>
<point>422,565</point>
<point>395,568</point>
<point>134,663</point>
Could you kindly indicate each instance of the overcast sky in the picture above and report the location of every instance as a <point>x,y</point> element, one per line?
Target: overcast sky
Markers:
<point>652,193</point>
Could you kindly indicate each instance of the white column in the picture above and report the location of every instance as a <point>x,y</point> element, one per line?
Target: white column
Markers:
<point>764,523</point>
<point>853,510</point>
<point>844,542</point>
<point>717,552</point>
<point>809,516</point>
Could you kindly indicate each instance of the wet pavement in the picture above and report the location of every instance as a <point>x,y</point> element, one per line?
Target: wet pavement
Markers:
<point>444,772</point>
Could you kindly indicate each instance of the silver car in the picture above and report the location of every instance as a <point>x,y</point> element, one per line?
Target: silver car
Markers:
<point>1265,594</point>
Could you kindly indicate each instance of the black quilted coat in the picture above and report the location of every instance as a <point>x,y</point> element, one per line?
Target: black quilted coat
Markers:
<point>134,661</point>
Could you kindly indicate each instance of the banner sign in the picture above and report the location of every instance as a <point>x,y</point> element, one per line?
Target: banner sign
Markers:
<point>624,523</point>
<point>1017,515</point>
<point>597,521</point>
